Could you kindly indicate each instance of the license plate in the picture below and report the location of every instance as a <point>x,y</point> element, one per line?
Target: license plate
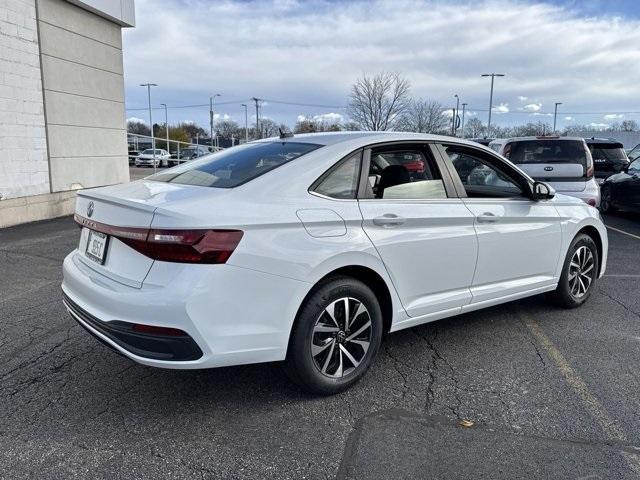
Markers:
<point>97,246</point>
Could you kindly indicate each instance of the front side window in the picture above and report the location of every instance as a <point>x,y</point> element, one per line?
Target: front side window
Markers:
<point>481,179</point>
<point>235,166</point>
<point>634,153</point>
<point>342,180</point>
<point>399,173</point>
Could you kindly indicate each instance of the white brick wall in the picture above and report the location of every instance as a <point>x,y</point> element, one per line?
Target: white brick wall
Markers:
<point>24,167</point>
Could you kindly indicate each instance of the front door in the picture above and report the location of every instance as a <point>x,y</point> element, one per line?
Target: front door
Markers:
<point>518,238</point>
<point>424,234</point>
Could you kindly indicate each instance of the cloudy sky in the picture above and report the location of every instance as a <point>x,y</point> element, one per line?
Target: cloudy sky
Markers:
<point>303,56</point>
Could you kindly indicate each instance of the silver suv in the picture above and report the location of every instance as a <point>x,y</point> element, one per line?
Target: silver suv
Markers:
<point>563,162</point>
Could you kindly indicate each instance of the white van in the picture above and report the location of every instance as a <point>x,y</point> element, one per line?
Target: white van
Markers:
<point>563,162</point>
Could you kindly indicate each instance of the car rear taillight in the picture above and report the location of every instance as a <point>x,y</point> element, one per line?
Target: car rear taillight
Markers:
<point>188,246</point>
<point>183,246</point>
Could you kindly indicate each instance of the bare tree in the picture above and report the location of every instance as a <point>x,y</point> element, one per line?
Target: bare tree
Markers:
<point>629,126</point>
<point>137,127</point>
<point>271,128</point>
<point>378,102</point>
<point>423,116</point>
<point>228,128</point>
<point>474,128</point>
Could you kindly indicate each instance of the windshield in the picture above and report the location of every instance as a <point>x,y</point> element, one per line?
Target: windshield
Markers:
<point>613,152</point>
<point>150,152</point>
<point>635,153</point>
<point>547,151</point>
<point>236,165</point>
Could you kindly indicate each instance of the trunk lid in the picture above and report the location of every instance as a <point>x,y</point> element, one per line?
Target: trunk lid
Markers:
<point>129,205</point>
<point>567,176</point>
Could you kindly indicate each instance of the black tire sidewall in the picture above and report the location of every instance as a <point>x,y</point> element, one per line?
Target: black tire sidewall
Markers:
<point>300,364</point>
<point>606,193</point>
<point>564,295</point>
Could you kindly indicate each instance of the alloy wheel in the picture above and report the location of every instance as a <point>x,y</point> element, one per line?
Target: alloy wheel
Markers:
<point>581,272</point>
<point>341,337</point>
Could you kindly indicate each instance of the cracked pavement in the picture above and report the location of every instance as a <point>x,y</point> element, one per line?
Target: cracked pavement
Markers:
<point>71,408</point>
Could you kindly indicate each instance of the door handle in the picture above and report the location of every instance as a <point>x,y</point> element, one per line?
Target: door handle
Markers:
<point>487,217</point>
<point>388,220</point>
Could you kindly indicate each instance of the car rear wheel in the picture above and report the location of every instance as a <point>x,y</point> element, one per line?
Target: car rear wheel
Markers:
<point>605,201</point>
<point>579,273</point>
<point>335,337</point>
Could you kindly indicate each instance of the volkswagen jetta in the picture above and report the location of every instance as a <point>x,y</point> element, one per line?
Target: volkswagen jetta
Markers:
<point>309,249</point>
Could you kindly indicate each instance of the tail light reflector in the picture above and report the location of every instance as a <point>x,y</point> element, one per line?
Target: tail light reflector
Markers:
<point>209,246</point>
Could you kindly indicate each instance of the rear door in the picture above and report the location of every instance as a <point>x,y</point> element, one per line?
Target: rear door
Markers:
<point>566,163</point>
<point>629,189</point>
<point>519,239</point>
<point>422,231</point>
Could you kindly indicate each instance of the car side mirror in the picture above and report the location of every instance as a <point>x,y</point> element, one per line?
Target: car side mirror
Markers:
<point>543,191</point>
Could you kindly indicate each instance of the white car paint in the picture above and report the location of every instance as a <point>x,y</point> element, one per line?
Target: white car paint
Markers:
<point>441,260</point>
<point>147,159</point>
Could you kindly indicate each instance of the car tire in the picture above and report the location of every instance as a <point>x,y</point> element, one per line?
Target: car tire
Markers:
<point>579,273</point>
<point>605,200</point>
<point>325,356</point>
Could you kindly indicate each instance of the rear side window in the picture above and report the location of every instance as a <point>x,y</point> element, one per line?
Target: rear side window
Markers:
<point>613,152</point>
<point>342,180</point>
<point>236,165</point>
<point>547,151</point>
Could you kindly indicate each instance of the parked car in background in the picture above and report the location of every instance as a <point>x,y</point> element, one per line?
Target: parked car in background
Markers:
<point>133,154</point>
<point>482,141</point>
<point>146,158</point>
<point>564,162</point>
<point>634,153</point>
<point>300,249</point>
<point>189,153</point>
<point>497,144</point>
<point>608,156</point>
<point>622,190</point>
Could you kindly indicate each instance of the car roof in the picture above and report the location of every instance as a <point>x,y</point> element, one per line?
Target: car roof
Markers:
<point>365,138</point>
<point>543,137</point>
<point>603,141</point>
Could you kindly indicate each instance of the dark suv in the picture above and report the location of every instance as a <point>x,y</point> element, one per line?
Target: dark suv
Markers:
<point>608,155</point>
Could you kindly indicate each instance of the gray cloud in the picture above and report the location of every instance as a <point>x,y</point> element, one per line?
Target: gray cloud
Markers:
<point>312,52</point>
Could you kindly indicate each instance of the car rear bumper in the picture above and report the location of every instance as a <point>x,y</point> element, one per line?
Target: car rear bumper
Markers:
<point>590,194</point>
<point>231,315</point>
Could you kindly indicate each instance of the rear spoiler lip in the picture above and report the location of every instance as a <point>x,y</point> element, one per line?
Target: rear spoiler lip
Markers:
<point>118,201</point>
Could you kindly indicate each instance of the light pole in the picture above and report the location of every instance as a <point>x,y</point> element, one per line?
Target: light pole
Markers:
<point>246,123</point>
<point>257,100</point>
<point>464,107</point>
<point>153,138</point>
<point>166,125</point>
<point>493,76</point>
<point>455,116</point>
<point>555,115</point>
<point>211,117</point>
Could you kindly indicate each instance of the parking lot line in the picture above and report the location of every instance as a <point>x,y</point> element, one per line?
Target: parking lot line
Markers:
<point>623,232</point>
<point>573,379</point>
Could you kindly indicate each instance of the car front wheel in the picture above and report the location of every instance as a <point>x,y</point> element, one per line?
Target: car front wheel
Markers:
<point>335,337</point>
<point>605,201</point>
<point>579,273</point>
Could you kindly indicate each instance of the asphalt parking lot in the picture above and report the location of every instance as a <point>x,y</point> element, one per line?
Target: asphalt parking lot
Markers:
<point>551,393</point>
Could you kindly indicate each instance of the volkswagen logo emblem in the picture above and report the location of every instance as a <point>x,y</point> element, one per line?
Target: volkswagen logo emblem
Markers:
<point>90,209</point>
<point>548,169</point>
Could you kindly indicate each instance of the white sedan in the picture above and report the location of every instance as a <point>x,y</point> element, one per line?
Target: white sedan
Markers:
<point>149,157</point>
<point>308,249</point>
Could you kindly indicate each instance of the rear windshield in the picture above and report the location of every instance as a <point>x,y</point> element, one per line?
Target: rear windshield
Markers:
<point>547,151</point>
<point>235,166</point>
<point>613,151</point>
